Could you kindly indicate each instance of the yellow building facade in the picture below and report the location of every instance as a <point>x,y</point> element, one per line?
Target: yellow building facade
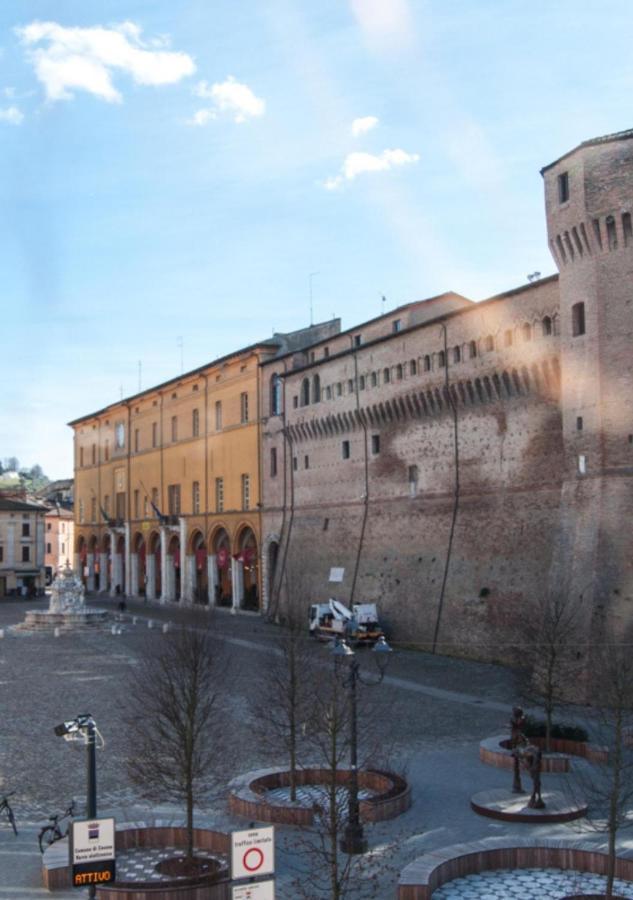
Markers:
<point>168,485</point>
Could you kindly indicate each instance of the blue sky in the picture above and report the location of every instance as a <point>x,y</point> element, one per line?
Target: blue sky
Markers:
<point>177,170</point>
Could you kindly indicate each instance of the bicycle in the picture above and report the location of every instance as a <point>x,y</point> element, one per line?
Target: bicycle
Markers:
<point>51,833</point>
<point>5,807</point>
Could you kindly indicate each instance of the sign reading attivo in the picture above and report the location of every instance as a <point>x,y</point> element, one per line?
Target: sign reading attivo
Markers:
<point>259,890</point>
<point>92,852</point>
<point>253,853</point>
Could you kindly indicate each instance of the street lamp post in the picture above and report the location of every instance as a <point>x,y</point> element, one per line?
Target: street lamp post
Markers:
<point>85,725</point>
<point>354,840</point>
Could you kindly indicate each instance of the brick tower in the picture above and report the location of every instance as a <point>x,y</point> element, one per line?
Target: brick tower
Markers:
<point>589,202</point>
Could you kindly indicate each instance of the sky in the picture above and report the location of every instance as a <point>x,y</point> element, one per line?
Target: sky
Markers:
<point>178,178</point>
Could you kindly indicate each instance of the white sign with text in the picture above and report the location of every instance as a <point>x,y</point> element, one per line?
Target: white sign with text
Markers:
<point>253,853</point>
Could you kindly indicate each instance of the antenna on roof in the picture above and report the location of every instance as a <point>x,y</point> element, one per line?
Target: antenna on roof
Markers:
<point>534,276</point>
<point>383,301</point>
<point>312,274</point>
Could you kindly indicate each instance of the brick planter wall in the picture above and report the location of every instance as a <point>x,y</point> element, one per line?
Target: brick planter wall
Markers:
<point>427,873</point>
<point>248,798</point>
<point>495,751</point>
<point>56,871</point>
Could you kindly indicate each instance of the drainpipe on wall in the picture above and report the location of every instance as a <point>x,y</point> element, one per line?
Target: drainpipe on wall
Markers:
<point>451,535</point>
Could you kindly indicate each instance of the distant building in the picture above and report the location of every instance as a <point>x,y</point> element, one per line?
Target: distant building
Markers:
<point>21,547</point>
<point>458,460</point>
<point>58,493</point>
<point>167,484</point>
<point>59,540</point>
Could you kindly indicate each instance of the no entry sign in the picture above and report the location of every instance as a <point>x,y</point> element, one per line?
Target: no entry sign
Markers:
<point>253,853</point>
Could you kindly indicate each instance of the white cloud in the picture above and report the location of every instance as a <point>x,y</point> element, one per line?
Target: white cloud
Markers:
<point>384,22</point>
<point>356,164</point>
<point>12,115</point>
<point>363,125</point>
<point>230,97</point>
<point>67,59</point>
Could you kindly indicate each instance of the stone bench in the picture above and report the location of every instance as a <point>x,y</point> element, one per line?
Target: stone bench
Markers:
<point>426,874</point>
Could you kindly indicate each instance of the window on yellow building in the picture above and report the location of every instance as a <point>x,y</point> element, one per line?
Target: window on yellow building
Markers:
<point>219,494</point>
<point>218,415</point>
<point>195,423</point>
<point>93,509</point>
<point>195,498</point>
<point>244,407</point>
<point>174,428</point>
<point>246,491</point>
<point>137,502</point>
<point>154,434</point>
<point>107,450</point>
<point>81,456</point>
<point>173,499</point>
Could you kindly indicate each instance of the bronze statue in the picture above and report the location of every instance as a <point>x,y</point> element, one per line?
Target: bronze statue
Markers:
<point>531,758</point>
<point>517,740</point>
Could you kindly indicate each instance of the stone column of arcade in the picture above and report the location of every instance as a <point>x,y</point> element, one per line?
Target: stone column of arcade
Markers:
<point>186,593</point>
<point>77,565</point>
<point>212,577</point>
<point>134,580</point>
<point>164,565</point>
<point>189,579</point>
<point>150,566</point>
<point>128,568</point>
<point>237,578</point>
<point>90,581</point>
<point>117,565</point>
<point>103,573</point>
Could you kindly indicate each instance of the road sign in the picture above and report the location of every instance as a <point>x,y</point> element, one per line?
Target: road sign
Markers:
<point>260,890</point>
<point>92,854</point>
<point>253,853</point>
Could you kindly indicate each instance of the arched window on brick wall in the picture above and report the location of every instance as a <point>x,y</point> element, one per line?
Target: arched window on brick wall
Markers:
<point>316,389</point>
<point>427,363</point>
<point>547,326</point>
<point>472,349</point>
<point>457,354</point>
<point>526,331</point>
<point>305,392</point>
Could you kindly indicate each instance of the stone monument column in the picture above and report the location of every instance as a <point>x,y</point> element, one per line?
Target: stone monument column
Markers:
<point>150,568</point>
<point>237,578</point>
<point>90,562</point>
<point>212,578</point>
<point>166,564</point>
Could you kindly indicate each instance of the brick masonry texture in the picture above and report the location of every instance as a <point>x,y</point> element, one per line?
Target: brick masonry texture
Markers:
<point>535,420</point>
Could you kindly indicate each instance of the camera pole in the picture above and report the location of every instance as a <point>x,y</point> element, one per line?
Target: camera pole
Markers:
<point>91,786</point>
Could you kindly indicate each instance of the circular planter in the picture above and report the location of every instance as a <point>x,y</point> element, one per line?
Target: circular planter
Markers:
<point>56,873</point>
<point>250,795</point>
<point>495,751</point>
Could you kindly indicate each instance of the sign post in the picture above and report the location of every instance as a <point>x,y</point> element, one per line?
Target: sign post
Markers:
<point>92,852</point>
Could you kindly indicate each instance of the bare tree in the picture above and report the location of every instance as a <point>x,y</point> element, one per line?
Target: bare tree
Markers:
<point>332,872</point>
<point>172,719</point>
<point>280,706</point>
<point>608,785</point>
<point>549,631</point>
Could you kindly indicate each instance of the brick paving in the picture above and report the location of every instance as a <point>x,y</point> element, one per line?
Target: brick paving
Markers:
<point>429,716</point>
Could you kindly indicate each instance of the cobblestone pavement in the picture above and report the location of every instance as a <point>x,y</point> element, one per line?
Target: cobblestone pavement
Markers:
<point>430,713</point>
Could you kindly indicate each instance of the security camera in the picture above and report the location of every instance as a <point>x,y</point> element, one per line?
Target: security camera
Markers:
<point>73,726</point>
<point>65,728</point>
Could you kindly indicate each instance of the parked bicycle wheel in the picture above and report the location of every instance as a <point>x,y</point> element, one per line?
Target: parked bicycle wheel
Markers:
<point>48,836</point>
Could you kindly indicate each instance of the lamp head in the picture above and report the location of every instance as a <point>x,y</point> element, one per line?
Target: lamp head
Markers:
<point>340,649</point>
